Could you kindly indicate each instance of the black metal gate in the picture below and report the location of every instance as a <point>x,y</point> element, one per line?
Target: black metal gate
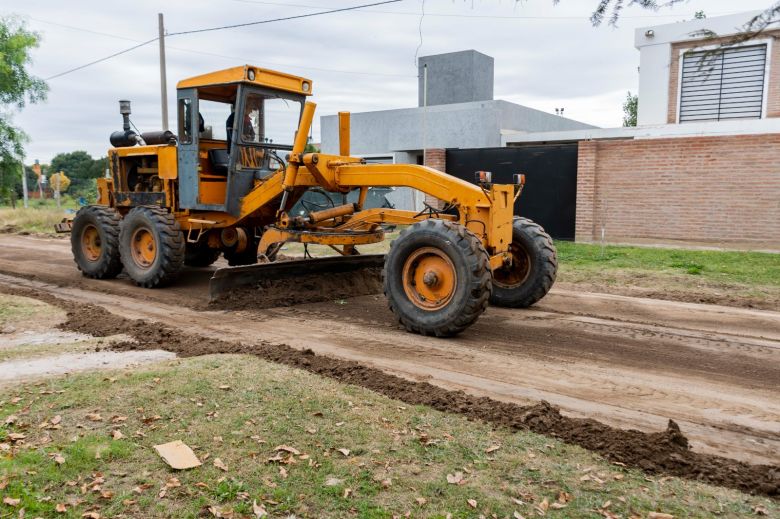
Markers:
<point>550,194</point>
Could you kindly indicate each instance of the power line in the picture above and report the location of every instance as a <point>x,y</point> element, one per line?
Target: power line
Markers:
<point>224,56</point>
<point>294,17</point>
<point>485,16</point>
<point>101,59</point>
<point>217,29</point>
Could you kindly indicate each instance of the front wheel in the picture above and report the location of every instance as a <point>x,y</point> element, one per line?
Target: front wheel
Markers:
<point>533,270</point>
<point>152,246</point>
<point>437,278</point>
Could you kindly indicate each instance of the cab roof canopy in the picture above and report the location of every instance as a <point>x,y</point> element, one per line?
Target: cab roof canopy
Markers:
<point>222,84</point>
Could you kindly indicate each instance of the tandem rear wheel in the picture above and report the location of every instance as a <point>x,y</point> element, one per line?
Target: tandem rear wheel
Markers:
<point>152,246</point>
<point>94,240</point>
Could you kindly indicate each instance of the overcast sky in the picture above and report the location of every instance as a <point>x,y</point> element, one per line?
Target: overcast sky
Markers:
<point>545,56</point>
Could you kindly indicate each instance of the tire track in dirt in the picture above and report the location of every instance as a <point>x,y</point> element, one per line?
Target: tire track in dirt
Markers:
<point>666,452</point>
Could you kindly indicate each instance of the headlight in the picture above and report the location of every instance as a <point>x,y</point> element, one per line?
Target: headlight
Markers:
<point>251,74</point>
<point>306,86</point>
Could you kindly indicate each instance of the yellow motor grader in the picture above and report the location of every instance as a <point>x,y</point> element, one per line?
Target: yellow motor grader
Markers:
<point>226,188</point>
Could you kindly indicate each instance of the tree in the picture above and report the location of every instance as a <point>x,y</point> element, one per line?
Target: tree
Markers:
<point>630,107</point>
<point>76,164</point>
<point>611,10</point>
<point>82,170</point>
<point>17,88</point>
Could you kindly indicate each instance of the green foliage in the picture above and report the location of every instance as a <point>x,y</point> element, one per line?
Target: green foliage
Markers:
<point>82,170</point>
<point>750,268</point>
<point>17,87</point>
<point>630,107</point>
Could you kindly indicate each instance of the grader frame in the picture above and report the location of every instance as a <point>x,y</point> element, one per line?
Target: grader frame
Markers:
<point>438,278</point>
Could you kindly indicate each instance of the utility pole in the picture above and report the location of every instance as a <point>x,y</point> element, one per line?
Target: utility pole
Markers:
<point>24,185</point>
<point>163,79</point>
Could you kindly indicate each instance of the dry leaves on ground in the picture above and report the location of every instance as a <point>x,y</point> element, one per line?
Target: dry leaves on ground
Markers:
<point>220,464</point>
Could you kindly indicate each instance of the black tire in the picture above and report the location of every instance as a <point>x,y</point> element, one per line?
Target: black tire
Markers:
<point>248,256</point>
<point>464,255</point>
<point>94,240</point>
<point>200,254</point>
<point>534,269</point>
<point>160,227</point>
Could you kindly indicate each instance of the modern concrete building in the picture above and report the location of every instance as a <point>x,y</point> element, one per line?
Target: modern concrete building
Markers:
<point>456,110</point>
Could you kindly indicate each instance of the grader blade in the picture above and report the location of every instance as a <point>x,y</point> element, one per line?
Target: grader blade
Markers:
<point>298,281</point>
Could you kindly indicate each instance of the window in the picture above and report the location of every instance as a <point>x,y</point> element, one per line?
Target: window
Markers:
<point>215,116</point>
<point>270,119</point>
<point>185,121</point>
<point>723,84</point>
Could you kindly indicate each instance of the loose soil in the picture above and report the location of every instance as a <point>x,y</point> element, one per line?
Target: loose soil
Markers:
<point>307,288</point>
<point>665,452</point>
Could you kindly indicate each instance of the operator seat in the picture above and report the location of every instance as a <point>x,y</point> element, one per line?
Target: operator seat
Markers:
<point>220,158</point>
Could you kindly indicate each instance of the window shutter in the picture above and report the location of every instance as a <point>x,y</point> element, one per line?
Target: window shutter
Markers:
<point>727,84</point>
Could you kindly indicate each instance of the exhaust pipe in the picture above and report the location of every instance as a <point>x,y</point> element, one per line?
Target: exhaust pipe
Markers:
<point>127,137</point>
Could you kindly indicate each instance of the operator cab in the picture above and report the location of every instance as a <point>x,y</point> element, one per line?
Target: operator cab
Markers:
<point>235,128</point>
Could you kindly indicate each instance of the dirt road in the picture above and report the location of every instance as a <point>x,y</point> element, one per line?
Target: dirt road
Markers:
<point>629,362</point>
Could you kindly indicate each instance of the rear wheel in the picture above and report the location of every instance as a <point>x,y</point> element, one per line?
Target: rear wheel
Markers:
<point>152,246</point>
<point>437,278</point>
<point>533,270</point>
<point>94,240</point>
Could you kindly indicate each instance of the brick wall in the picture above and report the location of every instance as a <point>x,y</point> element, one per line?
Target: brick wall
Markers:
<point>701,189</point>
<point>773,92</point>
<point>435,158</point>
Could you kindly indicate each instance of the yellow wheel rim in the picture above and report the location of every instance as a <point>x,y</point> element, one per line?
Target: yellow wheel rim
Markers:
<point>429,278</point>
<point>518,272</point>
<point>143,248</point>
<point>91,246</point>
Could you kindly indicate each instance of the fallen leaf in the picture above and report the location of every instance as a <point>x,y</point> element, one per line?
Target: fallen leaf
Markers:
<point>140,489</point>
<point>760,510</point>
<point>258,510</point>
<point>90,515</point>
<point>283,472</point>
<point>10,419</point>
<point>94,417</point>
<point>517,515</point>
<point>492,448</point>
<point>128,502</point>
<point>421,501</point>
<point>60,508</point>
<point>56,420</point>
<point>15,437</point>
<point>10,501</point>
<point>347,492</point>
<point>107,494</point>
<point>224,388</point>
<point>455,479</point>
<point>59,459</point>
<point>472,503</point>
<point>332,482</point>
<point>345,452</point>
<point>543,506</point>
<point>173,482</point>
<point>117,434</point>
<point>220,464</point>
<point>659,515</point>
<point>286,448</point>
<point>558,506</point>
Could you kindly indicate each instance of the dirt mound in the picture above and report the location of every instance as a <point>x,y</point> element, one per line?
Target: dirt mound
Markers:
<point>301,289</point>
<point>666,452</point>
